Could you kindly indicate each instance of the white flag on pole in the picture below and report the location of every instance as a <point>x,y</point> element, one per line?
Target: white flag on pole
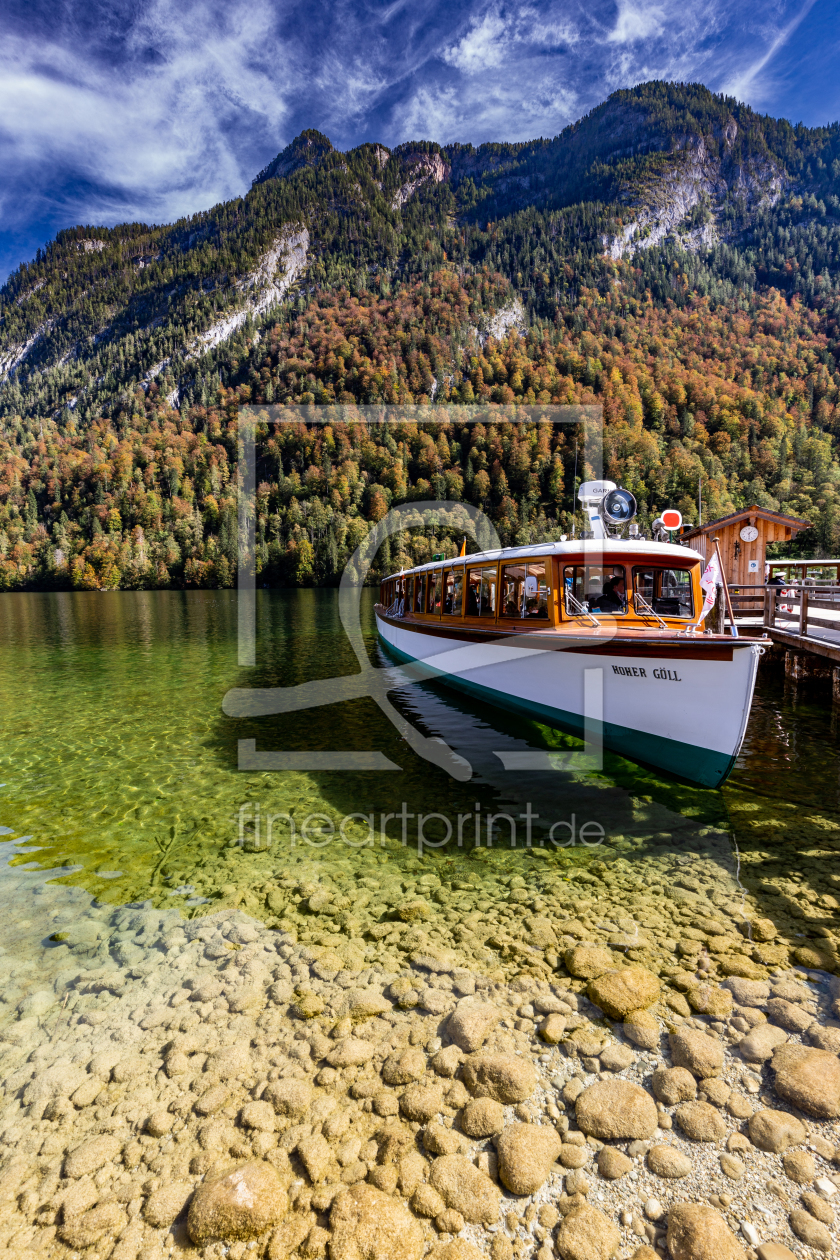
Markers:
<point>709,583</point>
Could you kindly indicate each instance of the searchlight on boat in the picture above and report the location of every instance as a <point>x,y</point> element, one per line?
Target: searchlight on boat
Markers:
<point>606,505</point>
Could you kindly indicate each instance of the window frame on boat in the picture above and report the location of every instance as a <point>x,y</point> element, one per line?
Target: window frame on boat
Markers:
<point>477,571</point>
<point>691,570</point>
<point>619,570</point>
<point>431,583</point>
<point>453,573</point>
<point>526,562</point>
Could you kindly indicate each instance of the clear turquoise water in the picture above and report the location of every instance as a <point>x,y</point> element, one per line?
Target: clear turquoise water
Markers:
<point>117,760</point>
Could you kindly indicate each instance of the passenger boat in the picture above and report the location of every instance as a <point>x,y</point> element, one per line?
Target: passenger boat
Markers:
<point>523,627</point>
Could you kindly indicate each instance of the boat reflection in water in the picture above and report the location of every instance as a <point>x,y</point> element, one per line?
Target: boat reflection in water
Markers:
<point>605,629</point>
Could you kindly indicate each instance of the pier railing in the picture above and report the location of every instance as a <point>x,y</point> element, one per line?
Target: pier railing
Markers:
<point>799,606</point>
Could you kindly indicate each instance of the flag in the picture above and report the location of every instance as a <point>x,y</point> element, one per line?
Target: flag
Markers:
<point>709,583</point>
<point>463,550</point>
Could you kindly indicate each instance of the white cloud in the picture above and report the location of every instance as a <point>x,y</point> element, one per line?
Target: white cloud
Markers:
<point>483,47</point>
<point>498,109</point>
<point>636,22</point>
<point>493,40</point>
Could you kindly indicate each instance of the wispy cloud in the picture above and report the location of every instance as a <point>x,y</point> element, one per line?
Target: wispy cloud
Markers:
<point>746,81</point>
<point>153,127</point>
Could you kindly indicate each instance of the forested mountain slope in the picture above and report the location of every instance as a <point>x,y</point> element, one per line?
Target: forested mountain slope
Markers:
<point>673,256</point>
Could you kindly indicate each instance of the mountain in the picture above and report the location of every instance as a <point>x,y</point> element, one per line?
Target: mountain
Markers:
<point>673,255</point>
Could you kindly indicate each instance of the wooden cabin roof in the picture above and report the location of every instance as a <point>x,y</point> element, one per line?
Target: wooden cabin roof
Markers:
<point>793,523</point>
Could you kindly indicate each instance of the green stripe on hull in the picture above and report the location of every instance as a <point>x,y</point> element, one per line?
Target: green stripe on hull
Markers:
<point>703,766</point>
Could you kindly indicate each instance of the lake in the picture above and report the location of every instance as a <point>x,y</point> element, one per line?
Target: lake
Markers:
<point>117,760</point>
<point>181,936</point>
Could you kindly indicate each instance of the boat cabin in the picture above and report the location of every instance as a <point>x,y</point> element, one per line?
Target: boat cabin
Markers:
<point>572,583</point>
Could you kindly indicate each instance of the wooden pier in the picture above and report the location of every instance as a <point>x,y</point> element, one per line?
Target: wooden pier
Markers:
<point>803,619</point>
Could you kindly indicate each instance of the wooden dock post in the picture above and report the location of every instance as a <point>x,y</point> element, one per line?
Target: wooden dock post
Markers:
<point>806,667</point>
<point>770,597</point>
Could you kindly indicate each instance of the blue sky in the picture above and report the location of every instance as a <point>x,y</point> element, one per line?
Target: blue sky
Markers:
<point>151,109</point>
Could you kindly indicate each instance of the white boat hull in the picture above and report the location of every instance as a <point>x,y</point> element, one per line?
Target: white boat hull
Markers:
<point>684,709</point>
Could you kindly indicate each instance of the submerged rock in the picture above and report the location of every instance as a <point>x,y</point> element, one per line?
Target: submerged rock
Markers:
<point>586,1234</point>
<point>405,1066</point>
<point>367,1224</point>
<point>90,1156</point>
<point>700,1121</point>
<point>809,1079</point>
<point>526,1153</point>
<point>697,1232</point>
<point>625,990</point>
<point>238,1204</point>
<point>482,1117</point>
<point>761,1042</point>
<point>701,1055</point>
<point>505,1078</point>
<point>588,961</point>
<point>465,1188</point>
<point>667,1161</point>
<point>810,1231</point>
<point>775,1131</point>
<point>641,1028</point>
<point>471,1023</point>
<point>616,1111</point>
<point>673,1085</point>
<point>613,1163</point>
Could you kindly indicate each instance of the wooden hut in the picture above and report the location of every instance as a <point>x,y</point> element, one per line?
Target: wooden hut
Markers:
<point>743,539</point>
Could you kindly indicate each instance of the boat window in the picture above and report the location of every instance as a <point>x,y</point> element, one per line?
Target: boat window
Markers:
<point>595,588</point>
<point>419,592</point>
<point>524,591</point>
<point>481,593</point>
<point>453,592</point>
<point>667,591</point>
<point>433,594</point>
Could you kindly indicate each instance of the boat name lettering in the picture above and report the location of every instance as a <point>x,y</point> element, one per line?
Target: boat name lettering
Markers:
<point>633,671</point>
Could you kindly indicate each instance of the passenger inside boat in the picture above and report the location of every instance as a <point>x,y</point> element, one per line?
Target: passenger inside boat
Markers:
<point>614,598</point>
<point>454,587</point>
<point>595,588</point>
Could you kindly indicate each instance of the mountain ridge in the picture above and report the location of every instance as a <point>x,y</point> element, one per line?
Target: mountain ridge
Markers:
<point>531,272</point>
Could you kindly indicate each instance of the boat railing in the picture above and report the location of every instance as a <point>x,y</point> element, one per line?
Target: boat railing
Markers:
<point>578,609</point>
<point>641,606</point>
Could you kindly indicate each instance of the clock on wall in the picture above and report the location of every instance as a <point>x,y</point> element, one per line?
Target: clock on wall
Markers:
<point>749,533</point>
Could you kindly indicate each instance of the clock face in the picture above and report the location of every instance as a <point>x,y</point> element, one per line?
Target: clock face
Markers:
<point>749,533</point>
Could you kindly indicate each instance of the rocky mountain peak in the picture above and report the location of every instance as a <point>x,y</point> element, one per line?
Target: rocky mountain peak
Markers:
<point>307,149</point>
